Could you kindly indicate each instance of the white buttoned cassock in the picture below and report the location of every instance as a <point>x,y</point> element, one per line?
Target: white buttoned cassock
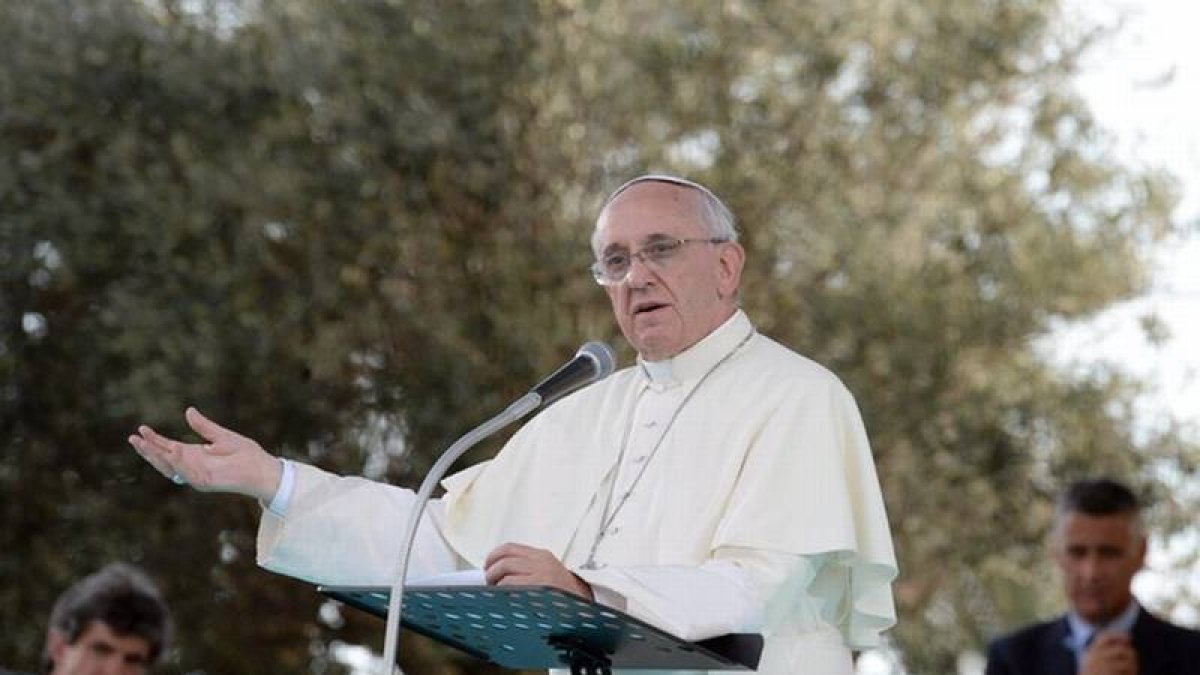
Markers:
<point>729,489</point>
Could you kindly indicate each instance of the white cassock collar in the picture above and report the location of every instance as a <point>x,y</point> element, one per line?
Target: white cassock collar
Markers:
<point>692,363</point>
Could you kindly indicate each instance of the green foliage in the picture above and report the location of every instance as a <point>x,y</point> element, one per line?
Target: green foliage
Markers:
<point>353,230</point>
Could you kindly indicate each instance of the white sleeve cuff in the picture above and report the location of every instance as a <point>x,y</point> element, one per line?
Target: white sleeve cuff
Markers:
<point>283,495</point>
<point>690,602</point>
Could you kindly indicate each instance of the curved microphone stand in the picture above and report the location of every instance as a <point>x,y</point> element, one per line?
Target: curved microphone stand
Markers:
<point>520,408</point>
<point>594,361</point>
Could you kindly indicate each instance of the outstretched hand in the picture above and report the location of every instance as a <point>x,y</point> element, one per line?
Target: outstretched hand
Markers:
<point>227,462</point>
<point>517,564</point>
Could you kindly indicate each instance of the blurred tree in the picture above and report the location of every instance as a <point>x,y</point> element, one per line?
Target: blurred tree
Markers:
<point>256,214</point>
<point>352,230</point>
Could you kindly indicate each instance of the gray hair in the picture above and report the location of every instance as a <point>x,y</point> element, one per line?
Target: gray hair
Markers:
<point>716,218</point>
<point>1099,497</point>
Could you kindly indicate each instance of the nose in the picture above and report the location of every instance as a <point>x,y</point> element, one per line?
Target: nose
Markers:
<point>640,273</point>
<point>1090,568</point>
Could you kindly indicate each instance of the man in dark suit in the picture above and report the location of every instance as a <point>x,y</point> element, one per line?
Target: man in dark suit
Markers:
<point>1099,544</point>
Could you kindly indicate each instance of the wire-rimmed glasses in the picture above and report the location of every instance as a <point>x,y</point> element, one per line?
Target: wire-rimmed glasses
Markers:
<point>614,267</point>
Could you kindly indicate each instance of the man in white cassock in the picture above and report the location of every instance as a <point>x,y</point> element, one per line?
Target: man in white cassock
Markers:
<point>722,484</point>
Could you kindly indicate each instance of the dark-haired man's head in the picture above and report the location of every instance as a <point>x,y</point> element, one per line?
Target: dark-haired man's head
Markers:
<point>113,622</point>
<point>1099,544</point>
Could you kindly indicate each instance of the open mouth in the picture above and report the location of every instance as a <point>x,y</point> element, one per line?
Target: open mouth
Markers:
<point>647,307</point>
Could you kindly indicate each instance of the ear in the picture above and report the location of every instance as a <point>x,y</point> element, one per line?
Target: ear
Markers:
<point>56,645</point>
<point>729,272</point>
<point>1056,555</point>
<point>1054,547</point>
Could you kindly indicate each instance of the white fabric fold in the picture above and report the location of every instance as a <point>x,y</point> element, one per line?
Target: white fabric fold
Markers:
<point>769,454</point>
<point>348,531</point>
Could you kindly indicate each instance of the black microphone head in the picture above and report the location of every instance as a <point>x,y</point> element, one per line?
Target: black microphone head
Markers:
<point>601,355</point>
<point>593,361</point>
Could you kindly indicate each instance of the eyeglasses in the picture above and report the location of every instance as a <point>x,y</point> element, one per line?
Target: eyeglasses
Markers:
<point>613,269</point>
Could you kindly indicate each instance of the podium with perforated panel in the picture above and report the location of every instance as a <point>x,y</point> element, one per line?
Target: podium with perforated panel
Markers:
<point>526,627</point>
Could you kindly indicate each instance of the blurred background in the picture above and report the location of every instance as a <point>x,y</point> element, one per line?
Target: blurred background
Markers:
<point>354,230</point>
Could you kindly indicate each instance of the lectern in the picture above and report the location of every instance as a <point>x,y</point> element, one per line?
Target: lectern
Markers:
<point>527,627</point>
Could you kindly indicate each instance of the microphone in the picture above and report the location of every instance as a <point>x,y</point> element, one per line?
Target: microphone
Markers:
<point>593,362</point>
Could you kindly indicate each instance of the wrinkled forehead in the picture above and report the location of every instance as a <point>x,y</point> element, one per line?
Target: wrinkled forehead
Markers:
<point>675,209</point>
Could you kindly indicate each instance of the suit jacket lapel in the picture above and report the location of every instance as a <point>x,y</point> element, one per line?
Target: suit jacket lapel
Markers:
<point>1059,658</point>
<point>1147,636</point>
